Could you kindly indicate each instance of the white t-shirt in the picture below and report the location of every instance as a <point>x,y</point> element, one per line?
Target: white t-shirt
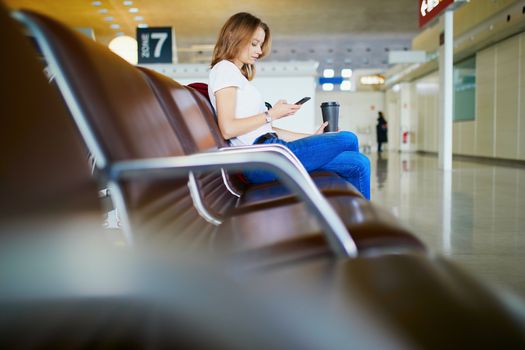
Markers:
<point>249,100</point>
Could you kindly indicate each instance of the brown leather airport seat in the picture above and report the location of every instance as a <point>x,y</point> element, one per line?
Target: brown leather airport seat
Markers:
<point>374,230</point>
<point>44,172</point>
<point>413,301</point>
<point>129,123</point>
<point>124,118</point>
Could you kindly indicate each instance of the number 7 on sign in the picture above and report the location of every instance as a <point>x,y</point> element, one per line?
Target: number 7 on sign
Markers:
<point>161,37</point>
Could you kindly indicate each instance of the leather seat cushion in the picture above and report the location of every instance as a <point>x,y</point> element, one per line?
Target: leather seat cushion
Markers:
<point>373,228</point>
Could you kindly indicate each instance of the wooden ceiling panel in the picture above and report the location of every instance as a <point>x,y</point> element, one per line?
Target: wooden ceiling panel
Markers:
<point>203,18</point>
<point>299,27</point>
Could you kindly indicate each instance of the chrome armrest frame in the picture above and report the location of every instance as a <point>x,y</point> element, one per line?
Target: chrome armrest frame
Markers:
<point>198,201</point>
<point>236,159</point>
<point>227,182</point>
<point>195,190</point>
<point>276,148</point>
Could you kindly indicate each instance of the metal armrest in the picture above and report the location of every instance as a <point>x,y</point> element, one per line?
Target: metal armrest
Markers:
<point>338,237</point>
<point>229,186</point>
<point>270,146</point>
<point>274,147</point>
<point>280,149</point>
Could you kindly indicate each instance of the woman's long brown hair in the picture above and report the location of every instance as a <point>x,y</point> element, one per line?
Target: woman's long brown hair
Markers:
<point>236,33</point>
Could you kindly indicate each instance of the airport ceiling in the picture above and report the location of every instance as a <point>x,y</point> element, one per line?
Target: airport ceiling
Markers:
<point>337,33</point>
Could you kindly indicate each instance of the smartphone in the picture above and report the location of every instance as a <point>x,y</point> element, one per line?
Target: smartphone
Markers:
<point>301,101</point>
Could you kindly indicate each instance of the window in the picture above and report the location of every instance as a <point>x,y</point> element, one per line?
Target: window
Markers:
<point>465,90</point>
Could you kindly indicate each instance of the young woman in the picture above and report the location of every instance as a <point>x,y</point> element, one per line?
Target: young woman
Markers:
<point>244,120</point>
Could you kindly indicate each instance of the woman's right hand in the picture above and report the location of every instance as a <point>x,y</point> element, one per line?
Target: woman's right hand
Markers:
<point>282,109</point>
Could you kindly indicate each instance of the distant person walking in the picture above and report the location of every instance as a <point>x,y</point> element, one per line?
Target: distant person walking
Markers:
<point>382,131</point>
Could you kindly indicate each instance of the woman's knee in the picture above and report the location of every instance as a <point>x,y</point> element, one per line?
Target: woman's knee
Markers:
<point>365,161</point>
<point>360,161</point>
<point>350,161</point>
<point>350,139</point>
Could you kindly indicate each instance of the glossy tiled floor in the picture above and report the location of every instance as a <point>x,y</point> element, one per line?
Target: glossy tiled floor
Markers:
<point>474,214</point>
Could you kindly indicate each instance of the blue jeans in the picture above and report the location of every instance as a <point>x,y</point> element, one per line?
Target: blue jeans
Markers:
<point>337,152</point>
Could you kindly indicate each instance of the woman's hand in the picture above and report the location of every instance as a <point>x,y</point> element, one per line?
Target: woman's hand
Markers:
<point>282,109</point>
<point>321,128</point>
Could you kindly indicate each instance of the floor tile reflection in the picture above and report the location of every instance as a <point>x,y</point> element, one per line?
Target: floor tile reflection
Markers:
<point>473,214</point>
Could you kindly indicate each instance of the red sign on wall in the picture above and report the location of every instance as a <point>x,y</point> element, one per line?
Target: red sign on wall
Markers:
<point>429,9</point>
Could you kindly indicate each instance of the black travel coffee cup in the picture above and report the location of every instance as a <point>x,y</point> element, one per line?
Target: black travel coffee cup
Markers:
<point>330,111</point>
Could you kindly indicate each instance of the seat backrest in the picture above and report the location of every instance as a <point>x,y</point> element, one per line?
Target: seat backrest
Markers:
<point>122,111</point>
<point>183,111</point>
<point>209,115</point>
<point>44,170</point>
<point>237,180</point>
<point>193,125</point>
<point>200,92</point>
<point>202,89</point>
<point>127,121</point>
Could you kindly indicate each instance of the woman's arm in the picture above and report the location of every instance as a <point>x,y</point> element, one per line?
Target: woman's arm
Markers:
<point>288,135</point>
<point>226,100</point>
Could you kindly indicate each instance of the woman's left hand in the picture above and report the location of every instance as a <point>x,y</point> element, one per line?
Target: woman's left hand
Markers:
<point>321,128</point>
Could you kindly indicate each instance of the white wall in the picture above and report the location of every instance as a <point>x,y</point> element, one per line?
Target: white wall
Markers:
<point>291,89</point>
<point>408,121</point>
<point>393,101</point>
<point>290,81</point>
<point>499,128</point>
<point>358,112</point>
<point>426,104</point>
<point>497,131</point>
